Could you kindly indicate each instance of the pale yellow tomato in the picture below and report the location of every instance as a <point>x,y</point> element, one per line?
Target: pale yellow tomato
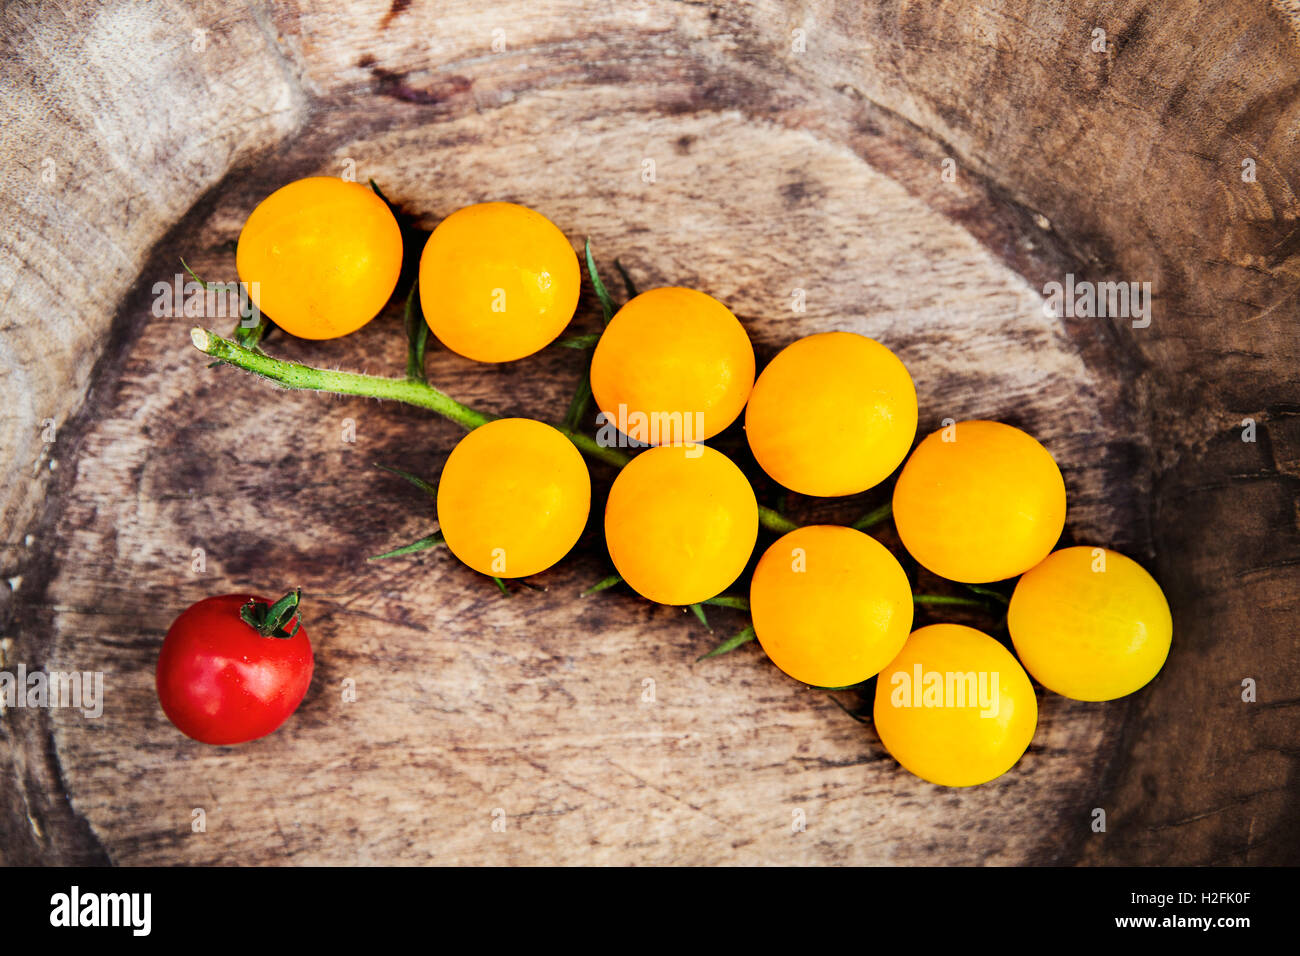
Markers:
<point>832,414</point>
<point>498,281</point>
<point>513,497</point>
<point>955,707</point>
<point>320,256</point>
<point>1090,624</point>
<point>831,606</point>
<point>680,523</point>
<point>673,366</point>
<point>979,501</point>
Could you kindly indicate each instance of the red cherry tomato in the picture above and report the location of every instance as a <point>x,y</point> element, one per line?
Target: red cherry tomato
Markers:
<point>228,673</point>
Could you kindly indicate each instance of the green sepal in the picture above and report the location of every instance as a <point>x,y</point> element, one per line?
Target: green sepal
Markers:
<point>729,600</point>
<point>416,480</point>
<point>417,335</point>
<point>581,402</point>
<point>608,582</point>
<point>606,303</point>
<point>428,541</point>
<point>699,612</point>
<point>249,336</point>
<point>269,620</point>
<point>854,714</point>
<point>730,644</point>
<point>627,280</point>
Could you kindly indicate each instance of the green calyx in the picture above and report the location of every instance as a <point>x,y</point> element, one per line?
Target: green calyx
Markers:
<point>271,620</point>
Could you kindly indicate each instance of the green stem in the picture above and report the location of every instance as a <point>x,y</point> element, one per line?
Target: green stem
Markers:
<point>421,394</point>
<point>589,446</point>
<point>729,600</point>
<point>947,600</point>
<point>873,518</point>
<point>775,521</point>
<point>580,342</point>
<point>988,593</point>
<point>298,376</point>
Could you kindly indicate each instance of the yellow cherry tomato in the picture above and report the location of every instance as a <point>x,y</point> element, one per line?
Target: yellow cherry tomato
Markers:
<point>673,366</point>
<point>498,281</point>
<point>320,256</point>
<point>681,522</point>
<point>1090,624</point>
<point>955,707</point>
<point>833,414</point>
<point>831,606</point>
<point>979,501</point>
<point>513,497</point>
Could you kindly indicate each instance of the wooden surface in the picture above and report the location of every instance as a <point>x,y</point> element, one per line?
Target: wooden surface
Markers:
<point>774,170</point>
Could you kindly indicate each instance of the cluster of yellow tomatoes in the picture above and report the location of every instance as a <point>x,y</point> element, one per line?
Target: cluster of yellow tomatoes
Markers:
<point>833,414</point>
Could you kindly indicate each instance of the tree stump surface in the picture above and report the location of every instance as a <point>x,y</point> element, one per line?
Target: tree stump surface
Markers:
<point>793,147</point>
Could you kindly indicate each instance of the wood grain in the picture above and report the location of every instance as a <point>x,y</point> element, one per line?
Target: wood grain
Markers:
<point>775,170</point>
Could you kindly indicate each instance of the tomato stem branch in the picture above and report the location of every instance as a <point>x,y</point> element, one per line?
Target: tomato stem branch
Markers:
<point>589,446</point>
<point>873,518</point>
<point>775,521</point>
<point>295,375</point>
<point>947,600</point>
<point>729,600</point>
